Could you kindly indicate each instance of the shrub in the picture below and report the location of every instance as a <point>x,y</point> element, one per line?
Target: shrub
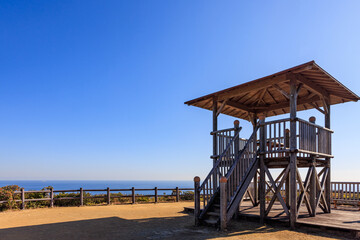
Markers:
<point>7,194</point>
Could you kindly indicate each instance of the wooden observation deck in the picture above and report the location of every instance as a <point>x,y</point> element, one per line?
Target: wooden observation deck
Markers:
<point>287,144</point>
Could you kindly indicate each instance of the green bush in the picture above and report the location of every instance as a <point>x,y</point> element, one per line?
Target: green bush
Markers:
<point>187,196</point>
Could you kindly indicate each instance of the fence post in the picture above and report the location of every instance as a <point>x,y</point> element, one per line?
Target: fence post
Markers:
<point>22,198</point>
<point>223,203</point>
<point>108,196</point>
<point>81,197</point>
<point>177,194</point>
<point>197,200</point>
<point>156,195</point>
<point>51,197</point>
<point>133,194</point>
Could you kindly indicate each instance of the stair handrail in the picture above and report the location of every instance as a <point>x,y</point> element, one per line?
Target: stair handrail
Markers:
<point>237,132</point>
<point>241,152</point>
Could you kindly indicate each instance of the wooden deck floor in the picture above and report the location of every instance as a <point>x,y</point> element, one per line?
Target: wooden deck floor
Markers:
<point>337,220</point>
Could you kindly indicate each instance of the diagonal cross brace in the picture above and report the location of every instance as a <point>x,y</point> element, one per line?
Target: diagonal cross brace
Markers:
<point>277,191</point>
<point>303,194</point>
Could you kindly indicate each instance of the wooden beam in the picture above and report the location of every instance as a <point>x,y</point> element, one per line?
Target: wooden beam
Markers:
<point>325,106</point>
<point>282,91</point>
<point>299,88</point>
<point>221,108</point>
<point>240,106</point>
<point>286,104</point>
<point>261,96</point>
<point>317,108</point>
<point>316,88</point>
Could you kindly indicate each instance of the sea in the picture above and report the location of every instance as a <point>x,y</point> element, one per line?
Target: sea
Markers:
<point>99,184</point>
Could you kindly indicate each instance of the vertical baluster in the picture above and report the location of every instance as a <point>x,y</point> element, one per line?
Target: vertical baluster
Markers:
<point>353,191</point>
<point>204,199</point>
<point>279,137</point>
<point>345,190</point>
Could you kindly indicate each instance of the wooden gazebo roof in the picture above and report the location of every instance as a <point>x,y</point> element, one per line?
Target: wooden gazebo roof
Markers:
<point>270,95</point>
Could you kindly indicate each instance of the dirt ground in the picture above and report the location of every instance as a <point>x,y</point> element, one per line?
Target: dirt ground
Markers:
<point>139,221</point>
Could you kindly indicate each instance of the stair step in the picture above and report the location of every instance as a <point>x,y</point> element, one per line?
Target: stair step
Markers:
<point>211,221</point>
<point>214,214</point>
<point>216,205</point>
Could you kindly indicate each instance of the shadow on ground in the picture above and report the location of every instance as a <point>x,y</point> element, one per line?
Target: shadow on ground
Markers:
<point>150,228</point>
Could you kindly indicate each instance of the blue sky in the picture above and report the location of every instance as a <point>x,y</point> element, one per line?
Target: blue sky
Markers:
<point>95,89</point>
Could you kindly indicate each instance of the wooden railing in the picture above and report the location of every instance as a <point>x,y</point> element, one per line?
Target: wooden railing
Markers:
<point>223,163</point>
<point>345,192</point>
<point>311,139</point>
<point>132,195</point>
<point>240,167</point>
<point>341,192</point>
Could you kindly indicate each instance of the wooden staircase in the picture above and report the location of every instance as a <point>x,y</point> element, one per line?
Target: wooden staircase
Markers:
<point>221,199</point>
<point>212,215</point>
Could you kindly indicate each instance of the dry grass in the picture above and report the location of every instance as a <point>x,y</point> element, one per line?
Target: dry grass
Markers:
<point>140,221</point>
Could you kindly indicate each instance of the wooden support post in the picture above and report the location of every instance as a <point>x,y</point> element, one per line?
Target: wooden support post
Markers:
<point>223,203</point>
<point>51,197</point>
<point>22,199</point>
<point>108,195</point>
<point>287,183</point>
<point>312,186</point>
<point>177,194</point>
<point>256,190</point>
<point>236,152</point>
<point>262,170</point>
<point>328,162</point>
<point>81,197</point>
<point>196,200</point>
<point>156,194</point>
<point>215,127</point>
<point>293,158</point>
<point>133,195</point>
